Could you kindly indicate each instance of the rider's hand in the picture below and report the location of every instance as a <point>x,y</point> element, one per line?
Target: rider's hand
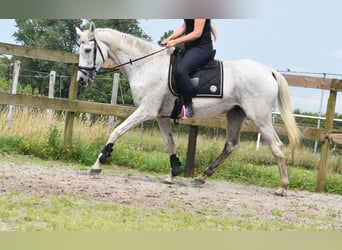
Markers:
<point>168,43</point>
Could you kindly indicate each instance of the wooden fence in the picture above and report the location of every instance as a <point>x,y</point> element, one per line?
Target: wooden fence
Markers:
<point>72,105</point>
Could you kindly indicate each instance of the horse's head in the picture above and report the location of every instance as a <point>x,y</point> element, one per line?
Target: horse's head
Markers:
<point>92,55</point>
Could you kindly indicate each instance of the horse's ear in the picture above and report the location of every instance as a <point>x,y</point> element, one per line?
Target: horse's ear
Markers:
<point>92,27</point>
<point>78,31</point>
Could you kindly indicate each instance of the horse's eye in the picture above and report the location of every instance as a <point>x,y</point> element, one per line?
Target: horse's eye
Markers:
<point>87,50</point>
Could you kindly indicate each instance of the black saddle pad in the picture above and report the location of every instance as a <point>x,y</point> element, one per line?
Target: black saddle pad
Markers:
<point>207,80</point>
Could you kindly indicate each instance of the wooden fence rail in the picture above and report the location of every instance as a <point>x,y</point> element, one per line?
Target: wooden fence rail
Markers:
<point>40,54</point>
<point>124,111</point>
<point>71,105</point>
<point>66,105</point>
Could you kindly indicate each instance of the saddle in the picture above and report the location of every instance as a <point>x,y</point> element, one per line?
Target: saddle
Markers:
<point>206,80</point>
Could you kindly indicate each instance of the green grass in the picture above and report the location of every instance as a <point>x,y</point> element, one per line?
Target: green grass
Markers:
<point>73,213</point>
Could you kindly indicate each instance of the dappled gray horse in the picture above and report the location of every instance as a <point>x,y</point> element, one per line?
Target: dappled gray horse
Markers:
<point>250,90</point>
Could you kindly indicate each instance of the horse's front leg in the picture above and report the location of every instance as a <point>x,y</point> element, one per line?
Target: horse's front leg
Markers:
<point>105,153</point>
<point>138,116</point>
<point>166,131</point>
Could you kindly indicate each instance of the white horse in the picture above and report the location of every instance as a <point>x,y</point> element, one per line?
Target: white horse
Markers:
<point>250,90</point>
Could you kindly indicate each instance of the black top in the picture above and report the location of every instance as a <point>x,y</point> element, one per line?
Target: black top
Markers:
<point>206,34</point>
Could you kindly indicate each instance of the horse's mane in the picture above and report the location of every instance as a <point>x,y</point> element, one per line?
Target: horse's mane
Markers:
<point>115,37</point>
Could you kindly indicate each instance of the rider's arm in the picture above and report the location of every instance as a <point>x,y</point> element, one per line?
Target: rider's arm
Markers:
<point>174,40</point>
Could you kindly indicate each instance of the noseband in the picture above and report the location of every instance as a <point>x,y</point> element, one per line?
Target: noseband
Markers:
<point>91,71</point>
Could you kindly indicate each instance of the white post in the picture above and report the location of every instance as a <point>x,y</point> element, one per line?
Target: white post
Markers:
<point>258,141</point>
<point>116,80</point>
<point>319,119</point>
<point>16,71</point>
<point>49,112</point>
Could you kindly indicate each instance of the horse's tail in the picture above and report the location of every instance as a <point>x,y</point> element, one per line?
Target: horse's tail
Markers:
<point>284,102</point>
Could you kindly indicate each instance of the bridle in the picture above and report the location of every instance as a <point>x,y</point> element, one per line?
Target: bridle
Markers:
<point>91,71</point>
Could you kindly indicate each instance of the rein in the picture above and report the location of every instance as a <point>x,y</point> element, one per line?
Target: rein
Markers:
<point>105,71</point>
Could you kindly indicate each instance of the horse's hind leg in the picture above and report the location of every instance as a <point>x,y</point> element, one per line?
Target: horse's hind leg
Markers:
<point>276,146</point>
<point>235,118</point>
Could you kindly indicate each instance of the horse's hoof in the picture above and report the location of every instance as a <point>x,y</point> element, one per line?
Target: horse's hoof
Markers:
<point>169,180</point>
<point>199,182</point>
<point>176,171</point>
<point>95,172</point>
<point>280,192</point>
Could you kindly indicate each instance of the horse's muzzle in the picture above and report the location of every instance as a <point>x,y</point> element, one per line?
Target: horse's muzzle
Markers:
<point>84,79</point>
<point>85,83</point>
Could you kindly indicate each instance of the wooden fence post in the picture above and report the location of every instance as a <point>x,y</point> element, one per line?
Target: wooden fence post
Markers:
<point>190,158</point>
<point>69,120</point>
<point>16,70</point>
<point>111,119</point>
<point>49,112</point>
<point>323,162</point>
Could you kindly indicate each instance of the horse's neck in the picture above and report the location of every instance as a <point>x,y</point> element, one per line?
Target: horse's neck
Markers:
<point>125,46</point>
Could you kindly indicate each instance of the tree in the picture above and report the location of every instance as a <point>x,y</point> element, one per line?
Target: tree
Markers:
<point>165,35</point>
<point>5,68</point>
<point>56,34</point>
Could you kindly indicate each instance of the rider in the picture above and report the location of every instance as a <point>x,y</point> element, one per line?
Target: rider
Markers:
<point>196,36</point>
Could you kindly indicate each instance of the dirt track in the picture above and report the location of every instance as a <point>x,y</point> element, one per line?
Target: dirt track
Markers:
<point>240,201</point>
